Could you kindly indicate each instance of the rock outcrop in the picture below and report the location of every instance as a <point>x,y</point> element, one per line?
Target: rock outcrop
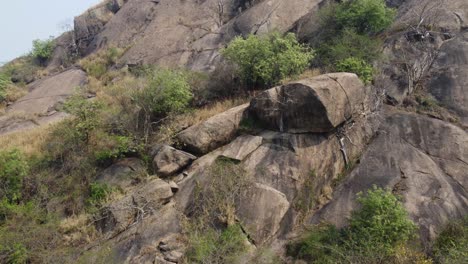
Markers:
<point>425,160</point>
<point>169,160</point>
<point>214,132</point>
<point>123,173</point>
<point>318,104</point>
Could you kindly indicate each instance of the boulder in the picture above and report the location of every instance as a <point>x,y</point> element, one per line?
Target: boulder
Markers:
<point>317,104</point>
<point>241,147</point>
<point>122,173</point>
<point>424,160</point>
<point>133,208</point>
<point>261,210</point>
<point>214,132</point>
<point>169,160</point>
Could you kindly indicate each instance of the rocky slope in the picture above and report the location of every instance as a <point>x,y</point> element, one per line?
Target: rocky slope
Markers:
<point>311,130</point>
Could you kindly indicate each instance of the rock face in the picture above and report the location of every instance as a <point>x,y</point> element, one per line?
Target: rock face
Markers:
<point>122,173</point>
<point>449,82</point>
<point>38,107</point>
<point>194,30</point>
<point>169,160</point>
<point>214,132</point>
<point>318,104</point>
<point>261,210</point>
<point>425,160</point>
<point>122,214</point>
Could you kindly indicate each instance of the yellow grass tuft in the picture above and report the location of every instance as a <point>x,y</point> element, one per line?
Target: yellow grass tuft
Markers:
<point>30,142</point>
<point>307,74</point>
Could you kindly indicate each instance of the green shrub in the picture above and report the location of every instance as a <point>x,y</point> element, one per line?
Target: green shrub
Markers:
<point>13,168</point>
<point>365,16</point>
<point>381,220</point>
<point>166,92</point>
<point>348,44</point>
<point>115,147</point>
<point>213,246</point>
<point>43,49</point>
<point>452,244</point>
<point>376,230</point>
<point>14,254</point>
<point>4,83</point>
<point>98,193</point>
<point>86,113</point>
<point>265,60</point>
<point>357,66</point>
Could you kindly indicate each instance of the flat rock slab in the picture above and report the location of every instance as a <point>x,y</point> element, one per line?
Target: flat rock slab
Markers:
<point>46,93</point>
<point>122,173</point>
<point>214,132</point>
<point>317,104</point>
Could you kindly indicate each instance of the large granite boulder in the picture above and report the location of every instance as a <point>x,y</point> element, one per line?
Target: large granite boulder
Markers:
<point>318,104</point>
<point>425,160</point>
<point>214,132</point>
<point>169,160</point>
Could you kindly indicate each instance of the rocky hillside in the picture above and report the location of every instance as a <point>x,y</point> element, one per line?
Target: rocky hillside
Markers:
<point>101,168</point>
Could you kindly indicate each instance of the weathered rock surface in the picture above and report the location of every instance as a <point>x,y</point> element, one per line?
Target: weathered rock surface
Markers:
<point>214,132</point>
<point>38,107</point>
<point>46,93</point>
<point>449,82</point>
<point>122,214</point>
<point>260,210</point>
<point>122,173</point>
<point>425,160</point>
<point>193,31</point>
<point>169,160</point>
<point>318,104</point>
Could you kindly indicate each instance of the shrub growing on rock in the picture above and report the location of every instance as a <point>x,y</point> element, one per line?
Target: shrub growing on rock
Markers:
<point>452,244</point>
<point>265,60</point>
<point>42,50</point>
<point>376,231</point>
<point>357,66</point>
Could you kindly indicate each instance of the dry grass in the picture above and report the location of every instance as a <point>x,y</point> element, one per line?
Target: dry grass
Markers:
<point>30,142</point>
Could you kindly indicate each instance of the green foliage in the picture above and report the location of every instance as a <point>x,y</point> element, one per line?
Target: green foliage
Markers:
<point>381,220</point>
<point>4,83</point>
<point>86,113</point>
<point>452,244</point>
<point>265,60</point>
<point>116,147</point>
<point>14,254</point>
<point>376,231</point>
<point>166,92</point>
<point>98,193</point>
<point>213,246</point>
<point>346,44</point>
<point>357,66</point>
<point>97,65</point>
<point>43,49</point>
<point>365,16</point>
<point>13,168</point>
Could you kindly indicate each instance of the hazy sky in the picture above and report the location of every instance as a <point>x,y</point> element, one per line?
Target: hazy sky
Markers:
<point>22,21</point>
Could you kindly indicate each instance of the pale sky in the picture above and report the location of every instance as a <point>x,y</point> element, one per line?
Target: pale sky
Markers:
<point>22,21</point>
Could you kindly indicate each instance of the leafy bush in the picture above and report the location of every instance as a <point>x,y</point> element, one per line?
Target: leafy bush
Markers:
<point>4,83</point>
<point>365,16</point>
<point>97,65</point>
<point>98,193</point>
<point>381,220</point>
<point>265,60</point>
<point>14,254</point>
<point>42,50</point>
<point>357,66</point>
<point>376,231</point>
<point>13,168</point>
<point>452,244</point>
<point>112,147</point>
<point>212,246</point>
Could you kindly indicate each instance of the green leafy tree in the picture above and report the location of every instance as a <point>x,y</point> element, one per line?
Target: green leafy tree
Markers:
<point>357,66</point>
<point>265,60</point>
<point>365,16</point>
<point>43,49</point>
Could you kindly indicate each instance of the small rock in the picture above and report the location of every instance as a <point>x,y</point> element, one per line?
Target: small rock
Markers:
<point>174,186</point>
<point>173,256</point>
